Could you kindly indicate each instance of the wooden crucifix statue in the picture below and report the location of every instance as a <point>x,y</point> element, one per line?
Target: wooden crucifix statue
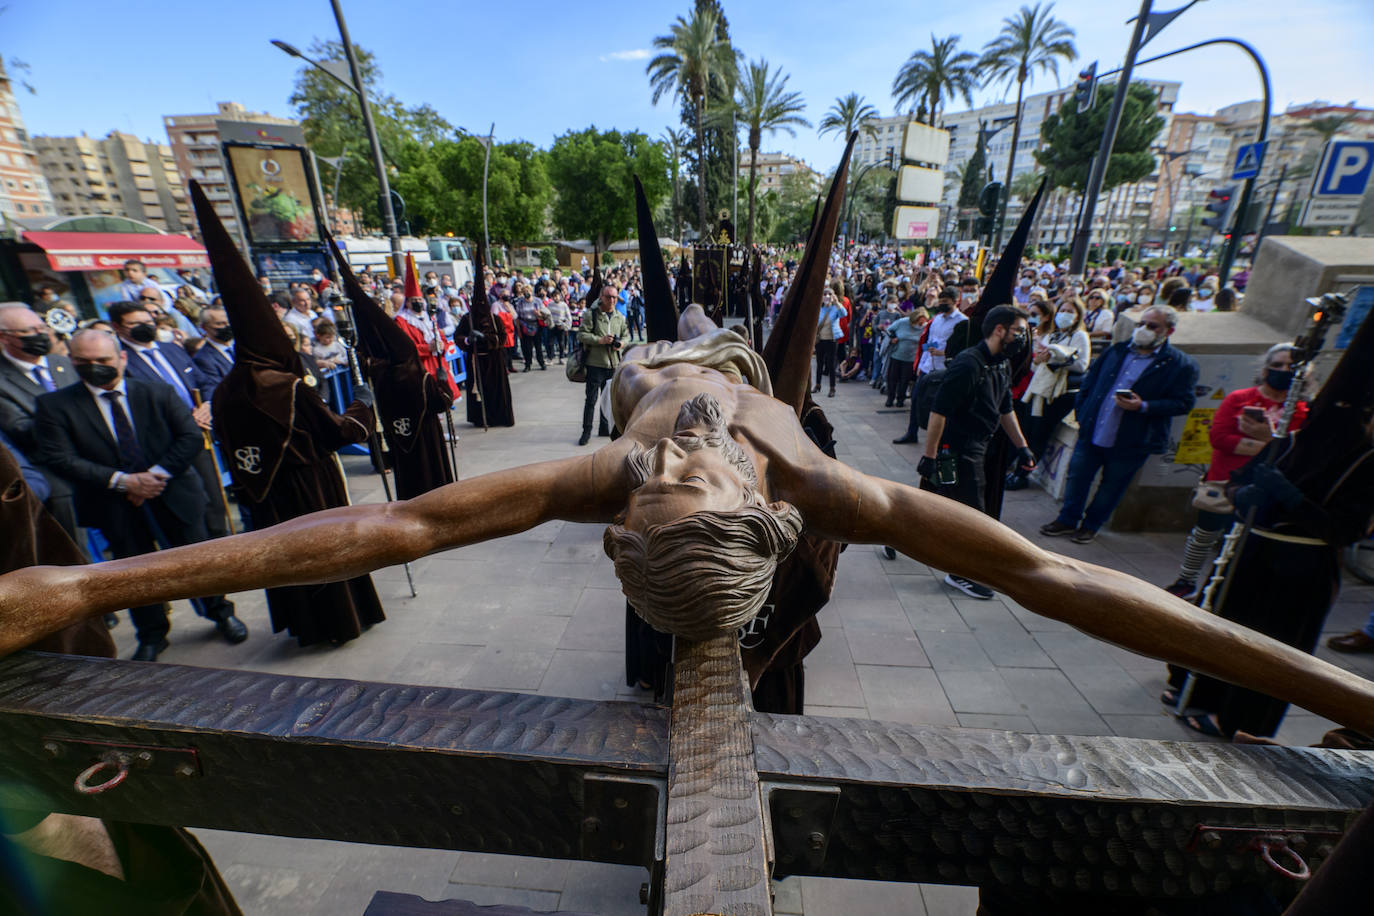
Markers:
<point>709,485</point>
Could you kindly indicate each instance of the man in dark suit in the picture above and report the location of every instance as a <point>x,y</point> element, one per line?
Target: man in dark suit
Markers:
<point>28,370</point>
<point>168,364</point>
<point>215,357</point>
<point>128,447</point>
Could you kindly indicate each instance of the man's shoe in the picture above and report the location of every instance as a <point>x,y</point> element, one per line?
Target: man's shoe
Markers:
<point>586,437</point>
<point>1083,536</point>
<point>1352,642</point>
<point>1015,482</point>
<point>888,404</point>
<point>111,621</point>
<point>905,440</point>
<point>968,587</point>
<point>816,389</point>
<point>542,367</point>
<point>831,394</point>
<point>1057,529</point>
<point>1188,590</point>
<point>232,629</point>
<point>148,651</point>
<point>604,433</point>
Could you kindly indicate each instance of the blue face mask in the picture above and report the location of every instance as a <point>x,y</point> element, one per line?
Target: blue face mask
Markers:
<point>1033,321</point>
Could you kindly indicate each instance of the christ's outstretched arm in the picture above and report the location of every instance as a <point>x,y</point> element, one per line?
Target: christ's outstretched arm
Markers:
<point>321,547</point>
<point>1101,602</point>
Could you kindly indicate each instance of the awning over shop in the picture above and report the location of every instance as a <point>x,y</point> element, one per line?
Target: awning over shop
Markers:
<point>109,250</point>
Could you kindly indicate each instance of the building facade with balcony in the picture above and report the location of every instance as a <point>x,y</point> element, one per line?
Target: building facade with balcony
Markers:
<point>119,175</point>
<point>773,168</point>
<point>23,190</point>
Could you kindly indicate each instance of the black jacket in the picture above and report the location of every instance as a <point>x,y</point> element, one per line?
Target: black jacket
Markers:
<point>76,443</point>
<point>1167,386</point>
<point>19,395</point>
<point>975,393</point>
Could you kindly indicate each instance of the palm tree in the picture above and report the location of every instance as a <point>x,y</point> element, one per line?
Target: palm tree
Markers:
<point>848,114</point>
<point>1328,126</point>
<point>675,141</point>
<point>764,104</point>
<point>929,76</point>
<point>1031,40</point>
<point>694,63</point>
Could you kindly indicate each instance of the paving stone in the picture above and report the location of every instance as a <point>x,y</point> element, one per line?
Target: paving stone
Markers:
<point>979,692</point>
<point>1012,647</point>
<point>1112,691</point>
<point>955,651</point>
<point>1021,724</point>
<point>510,871</point>
<point>486,895</point>
<point>598,621</point>
<point>605,890</point>
<point>582,674</point>
<point>1076,650</point>
<point>905,695</point>
<point>832,896</point>
<point>949,900</point>
<point>1160,726</point>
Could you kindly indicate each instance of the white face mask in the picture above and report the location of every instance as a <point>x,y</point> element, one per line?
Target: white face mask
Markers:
<point>1143,338</point>
<point>1142,299</point>
<point>165,335</point>
<point>1064,320</point>
<point>1204,293</point>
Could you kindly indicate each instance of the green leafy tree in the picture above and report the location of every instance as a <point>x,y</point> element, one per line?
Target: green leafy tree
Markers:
<point>1325,127</point>
<point>848,114</point>
<point>693,63</point>
<point>928,77</point>
<point>674,144</point>
<point>794,205</point>
<point>592,172</point>
<point>518,189</point>
<point>330,116</point>
<point>1032,40</point>
<point>1069,140</point>
<point>765,104</point>
<point>972,177</point>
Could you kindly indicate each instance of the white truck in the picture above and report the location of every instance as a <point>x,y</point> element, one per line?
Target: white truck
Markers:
<point>441,254</point>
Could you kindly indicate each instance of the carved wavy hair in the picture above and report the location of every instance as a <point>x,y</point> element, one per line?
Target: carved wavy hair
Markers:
<point>709,572</point>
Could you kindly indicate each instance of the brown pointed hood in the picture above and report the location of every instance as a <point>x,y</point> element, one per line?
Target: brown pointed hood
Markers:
<point>998,289</point>
<point>258,336</point>
<point>660,311</point>
<point>789,348</point>
<point>479,309</point>
<point>379,338</point>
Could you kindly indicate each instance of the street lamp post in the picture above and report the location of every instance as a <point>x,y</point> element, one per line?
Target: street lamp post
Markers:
<point>486,167</point>
<point>378,154</point>
<point>383,185</point>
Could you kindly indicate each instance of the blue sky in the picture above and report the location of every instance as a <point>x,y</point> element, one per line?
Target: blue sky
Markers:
<point>540,68</point>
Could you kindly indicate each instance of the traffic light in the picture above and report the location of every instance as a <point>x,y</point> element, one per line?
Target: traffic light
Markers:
<point>1085,88</point>
<point>982,226</point>
<point>1218,208</point>
<point>990,200</point>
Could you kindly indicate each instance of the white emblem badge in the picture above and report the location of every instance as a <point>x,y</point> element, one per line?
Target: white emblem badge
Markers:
<point>402,426</point>
<point>248,459</point>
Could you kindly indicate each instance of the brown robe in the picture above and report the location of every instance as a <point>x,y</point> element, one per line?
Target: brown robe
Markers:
<point>410,402</point>
<point>487,386</point>
<point>279,441</point>
<point>166,871</point>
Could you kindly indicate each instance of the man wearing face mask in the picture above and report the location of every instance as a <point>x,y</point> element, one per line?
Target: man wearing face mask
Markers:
<point>216,356</point>
<point>1127,400</point>
<point>159,362</point>
<point>27,371</point>
<point>973,400</point>
<point>128,447</point>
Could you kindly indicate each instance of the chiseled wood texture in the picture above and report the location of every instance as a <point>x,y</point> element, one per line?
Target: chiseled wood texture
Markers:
<point>716,860</point>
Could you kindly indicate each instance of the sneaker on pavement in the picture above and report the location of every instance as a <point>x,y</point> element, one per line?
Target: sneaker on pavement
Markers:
<point>1182,589</point>
<point>1083,536</point>
<point>968,587</point>
<point>1057,529</point>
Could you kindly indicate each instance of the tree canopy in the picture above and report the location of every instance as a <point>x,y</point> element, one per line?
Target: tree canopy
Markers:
<point>593,172</point>
<point>930,77</point>
<point>1071,139</point>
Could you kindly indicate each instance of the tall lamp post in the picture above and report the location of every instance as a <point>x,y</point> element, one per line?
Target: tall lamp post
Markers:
<point>378,162</point>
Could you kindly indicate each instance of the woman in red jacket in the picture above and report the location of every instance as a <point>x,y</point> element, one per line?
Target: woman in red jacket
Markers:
<point>1242,427</point>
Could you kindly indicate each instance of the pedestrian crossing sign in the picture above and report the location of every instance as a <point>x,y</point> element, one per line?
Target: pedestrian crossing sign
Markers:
<point>1249,158</point>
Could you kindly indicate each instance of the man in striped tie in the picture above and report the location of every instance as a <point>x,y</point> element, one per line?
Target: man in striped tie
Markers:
<point>127,447</point>
<point>167,363</point>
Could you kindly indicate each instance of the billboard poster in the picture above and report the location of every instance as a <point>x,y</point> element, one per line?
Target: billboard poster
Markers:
<point>273,185</point>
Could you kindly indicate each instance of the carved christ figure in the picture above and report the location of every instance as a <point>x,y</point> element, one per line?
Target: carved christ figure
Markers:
<point>708,487</point>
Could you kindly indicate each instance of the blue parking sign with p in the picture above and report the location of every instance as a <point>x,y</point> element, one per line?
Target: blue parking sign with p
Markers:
<point>1345,169</point>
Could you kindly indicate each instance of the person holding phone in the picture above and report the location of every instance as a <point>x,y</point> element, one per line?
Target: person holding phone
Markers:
<point>1127,400</point>
<point>1243,425</point>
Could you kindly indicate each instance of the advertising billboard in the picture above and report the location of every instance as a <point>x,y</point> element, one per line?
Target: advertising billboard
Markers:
<point>273,187</point>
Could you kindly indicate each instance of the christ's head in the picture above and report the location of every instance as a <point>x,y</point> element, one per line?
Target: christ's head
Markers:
<point>697,545</point>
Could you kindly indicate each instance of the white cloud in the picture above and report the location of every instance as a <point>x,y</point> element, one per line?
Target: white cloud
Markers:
<point>634,54</point>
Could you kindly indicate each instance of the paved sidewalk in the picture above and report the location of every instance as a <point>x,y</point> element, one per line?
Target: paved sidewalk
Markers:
<point>541,612</point>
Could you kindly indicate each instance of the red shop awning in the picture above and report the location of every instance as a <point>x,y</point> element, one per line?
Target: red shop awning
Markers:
<point>109,250</point>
